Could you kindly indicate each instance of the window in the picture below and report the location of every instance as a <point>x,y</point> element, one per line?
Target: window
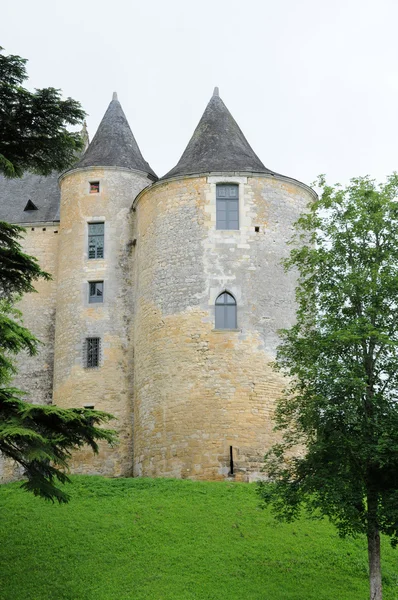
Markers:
<point>96,240</point>
<point>95,291</point>
<point>94,187</point>
<point>227,206</point>
<point>226,312</point>
<point>92,352</point>
<point>30,206</point>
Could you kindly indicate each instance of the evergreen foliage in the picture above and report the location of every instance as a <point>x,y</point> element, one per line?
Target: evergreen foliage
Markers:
<point>339,414</point>
<point>33,137</point>
<point>39,438</point>
<point>33,125</point>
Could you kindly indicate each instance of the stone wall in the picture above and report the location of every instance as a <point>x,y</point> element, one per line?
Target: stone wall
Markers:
<point>107,387</point>
<point>199,391</point>
<point>35,373</point>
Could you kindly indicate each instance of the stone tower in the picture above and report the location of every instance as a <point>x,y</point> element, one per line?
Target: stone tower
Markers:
<point>166,297</point>
<point>93,349</point>
<point>211,296</point>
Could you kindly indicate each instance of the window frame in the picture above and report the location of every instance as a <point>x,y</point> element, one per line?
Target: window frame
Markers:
<point>91,190</point>
<point>92,352</point>
<point>95,298</point>
<point>97,236</point>
<point>231,206</point>
<point>222,315</point>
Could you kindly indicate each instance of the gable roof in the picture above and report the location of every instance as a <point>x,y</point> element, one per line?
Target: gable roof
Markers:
<point>43,192</point>
<point>217,145</point>
<point>114,144</point>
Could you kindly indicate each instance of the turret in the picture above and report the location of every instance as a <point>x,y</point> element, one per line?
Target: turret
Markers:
<point>93,353</point>
<point>211,297</point>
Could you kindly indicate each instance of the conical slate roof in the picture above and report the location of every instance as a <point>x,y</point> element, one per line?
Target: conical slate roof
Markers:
<point>217,145</point>
<point>114,144</point>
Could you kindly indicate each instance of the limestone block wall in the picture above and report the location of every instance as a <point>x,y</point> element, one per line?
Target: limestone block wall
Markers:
<point>109,386</point>
<point>199,391</point>
<point>35,373</point>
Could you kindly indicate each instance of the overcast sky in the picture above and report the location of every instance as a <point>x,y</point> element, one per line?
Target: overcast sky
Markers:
<point>313,84</point>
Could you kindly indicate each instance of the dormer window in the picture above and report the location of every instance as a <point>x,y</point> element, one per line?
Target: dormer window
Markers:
<point>30,206</point>
<point>94,187</point>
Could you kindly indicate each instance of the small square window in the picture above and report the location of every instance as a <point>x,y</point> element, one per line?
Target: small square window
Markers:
<point>92,352</point>
<point>94,187</point>
<point>257,229</point>
<point>96,291</point>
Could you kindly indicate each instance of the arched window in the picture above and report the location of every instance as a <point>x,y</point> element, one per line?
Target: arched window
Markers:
<point>226,311</point>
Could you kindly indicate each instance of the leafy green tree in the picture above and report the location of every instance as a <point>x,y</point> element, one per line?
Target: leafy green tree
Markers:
<point>33,136</point>
<point>338,417</point>
<point>33,125</point>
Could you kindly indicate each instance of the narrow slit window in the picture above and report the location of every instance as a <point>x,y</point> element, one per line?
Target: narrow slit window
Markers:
<point>94,187</point>
<point>226,317</point>
<point>227,206</point>
<point>96,233</point>
<point>92,352</point>
<point>96,292</point>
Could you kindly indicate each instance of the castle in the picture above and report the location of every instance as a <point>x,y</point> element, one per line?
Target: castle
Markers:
<point>166,298</point>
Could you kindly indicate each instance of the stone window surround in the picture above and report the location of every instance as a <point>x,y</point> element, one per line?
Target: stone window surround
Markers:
<point>213,180</point>
<point>95,300</point>
<point>89,221</point>
<point>96,352</point>
<point>224,315</point>
<point>214,293</point>
<point>92,182</point>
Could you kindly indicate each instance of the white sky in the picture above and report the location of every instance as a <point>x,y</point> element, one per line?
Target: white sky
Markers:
<point>313,84</point>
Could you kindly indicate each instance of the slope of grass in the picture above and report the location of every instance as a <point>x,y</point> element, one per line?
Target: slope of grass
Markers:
<point>160,539</point>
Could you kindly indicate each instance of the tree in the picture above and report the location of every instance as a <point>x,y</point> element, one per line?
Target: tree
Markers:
<point>40,438</point>
<point>338,417</point>
<point>33,137</point>
<point>33,125</point>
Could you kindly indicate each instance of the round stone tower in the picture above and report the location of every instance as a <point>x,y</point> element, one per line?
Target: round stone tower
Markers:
<point>211,296</point>
<point>95,294</point>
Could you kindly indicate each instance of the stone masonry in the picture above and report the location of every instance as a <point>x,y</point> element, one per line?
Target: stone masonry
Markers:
<point>186,397</point>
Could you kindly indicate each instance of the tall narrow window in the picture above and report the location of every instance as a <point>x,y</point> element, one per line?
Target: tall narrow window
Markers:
<point>94,187</point>
<point>96,291</point>
<point>227,206</point>
<point>226,312</point>
<point>92,352</point>
<point>96,240</point>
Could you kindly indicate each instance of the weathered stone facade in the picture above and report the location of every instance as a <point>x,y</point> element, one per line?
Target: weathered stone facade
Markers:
<point>186,397</point>
<point>107,387</point>
<point>198,391</point>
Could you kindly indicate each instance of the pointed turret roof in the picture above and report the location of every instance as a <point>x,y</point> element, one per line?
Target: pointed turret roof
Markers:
<point>114,144</point>
<point>217,145</point>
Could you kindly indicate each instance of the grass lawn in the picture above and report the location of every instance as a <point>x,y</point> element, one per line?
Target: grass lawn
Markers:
<point>160,539</point>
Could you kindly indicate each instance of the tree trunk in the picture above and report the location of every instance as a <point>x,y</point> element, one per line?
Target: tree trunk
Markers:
<point>374,554</point>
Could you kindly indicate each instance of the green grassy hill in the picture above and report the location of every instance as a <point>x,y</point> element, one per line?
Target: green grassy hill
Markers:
<point>161,539</point>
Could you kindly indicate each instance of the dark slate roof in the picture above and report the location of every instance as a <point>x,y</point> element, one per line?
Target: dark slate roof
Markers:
<point>114,144</point>
<point>43,192</point>
<point>217,145</point>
